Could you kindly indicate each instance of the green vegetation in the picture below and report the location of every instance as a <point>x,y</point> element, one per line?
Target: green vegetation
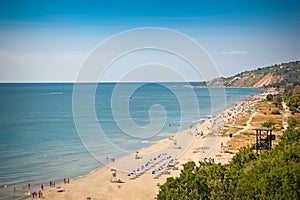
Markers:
<point>292,97</point>
<point>277,102</point>
<point>290,73</point>
<point>288,91</point>
<point>284,74</point>
<point>293,102</point>
<point>267,124</point>
<point>275,112</point>
<point>269,97</point>
<point>273,174</point>
<point>293,122</point>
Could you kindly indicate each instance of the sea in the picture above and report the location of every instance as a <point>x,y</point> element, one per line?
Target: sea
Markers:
<point>40,139</point>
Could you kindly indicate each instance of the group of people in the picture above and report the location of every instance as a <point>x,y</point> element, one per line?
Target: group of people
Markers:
<point>52,184</point>
<point>199,133</point>
<point>209,160</point>
<point>39,194</point>
<point>111,159</point>
<point>36,194</point>
<point>66,180</point>
<point>137,155</point>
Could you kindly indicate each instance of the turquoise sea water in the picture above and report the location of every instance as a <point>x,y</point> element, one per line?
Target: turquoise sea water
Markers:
<point>39,141</point>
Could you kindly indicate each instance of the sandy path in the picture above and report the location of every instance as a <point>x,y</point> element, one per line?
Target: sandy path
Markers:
<point>286,115</point>
<point>248,124</point>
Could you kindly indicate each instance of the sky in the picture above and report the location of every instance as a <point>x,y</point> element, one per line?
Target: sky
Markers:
<point>48,41</point>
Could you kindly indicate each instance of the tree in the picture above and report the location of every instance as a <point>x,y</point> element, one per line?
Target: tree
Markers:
<point>269,97</point>
<point>276,174</point>
<point>293,101</point>
<point>273,174</point>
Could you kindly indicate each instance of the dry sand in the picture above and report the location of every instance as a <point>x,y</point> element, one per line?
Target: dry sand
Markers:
<point>99,185</point>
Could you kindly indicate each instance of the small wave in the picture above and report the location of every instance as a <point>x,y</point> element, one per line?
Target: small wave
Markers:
<point>92,171</point>
<point>55,93</point>
<point>74,160</point>
<point>165,134</point>
<point>145,141</point>
<point>161,134</point>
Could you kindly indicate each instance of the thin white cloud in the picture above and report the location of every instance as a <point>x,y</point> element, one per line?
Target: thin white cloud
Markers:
<point>72,56</point>
<point>233,52</point>
<point>40,67</point>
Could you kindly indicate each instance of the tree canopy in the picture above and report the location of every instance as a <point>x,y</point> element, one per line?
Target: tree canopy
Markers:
<point>273,174</point>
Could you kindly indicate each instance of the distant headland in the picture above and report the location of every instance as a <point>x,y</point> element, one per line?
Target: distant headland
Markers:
<point>278,75</point>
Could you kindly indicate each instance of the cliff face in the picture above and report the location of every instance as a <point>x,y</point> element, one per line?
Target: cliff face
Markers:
<point>276,75</point>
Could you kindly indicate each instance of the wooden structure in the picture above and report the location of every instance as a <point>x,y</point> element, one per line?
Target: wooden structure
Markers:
<point>264,139</point>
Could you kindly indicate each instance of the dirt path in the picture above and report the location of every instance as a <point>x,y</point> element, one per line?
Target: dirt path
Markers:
<point>286,115</point>
<point>248,123</point>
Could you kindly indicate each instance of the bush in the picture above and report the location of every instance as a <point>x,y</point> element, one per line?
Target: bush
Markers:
<point>275,112</point>
<point>293,102</point>
<point>292,122</point>
<point>277,102</point>
<point>273,174</point>
<point>267,124</point>
<point>269,97</point>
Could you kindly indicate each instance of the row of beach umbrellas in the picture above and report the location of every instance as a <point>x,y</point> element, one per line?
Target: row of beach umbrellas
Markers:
<point>164,165</point>
<point>145,165</point>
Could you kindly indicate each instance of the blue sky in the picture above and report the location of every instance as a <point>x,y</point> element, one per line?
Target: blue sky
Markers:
<point>49,40</point>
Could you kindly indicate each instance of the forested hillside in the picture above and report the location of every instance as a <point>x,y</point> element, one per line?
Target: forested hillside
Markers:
<point>275,75</point>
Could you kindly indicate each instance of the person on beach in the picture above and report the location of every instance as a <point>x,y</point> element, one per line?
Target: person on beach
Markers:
<point>68,181</point>
<point>50,183</point>
<point>65,181</point>
<point>40,194</point>
<point>114,174</point>
<point>42,186</point>
<point>221,147</point>
<point>175,143</point>
<point>34,194</point>
<point>28,186</point>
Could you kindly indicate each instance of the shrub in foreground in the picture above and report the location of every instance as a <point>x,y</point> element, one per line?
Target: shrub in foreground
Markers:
<point>273,174</point>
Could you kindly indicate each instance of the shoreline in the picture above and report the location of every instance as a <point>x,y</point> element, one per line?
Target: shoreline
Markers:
<point>103,172</point>
<point>22,191</point>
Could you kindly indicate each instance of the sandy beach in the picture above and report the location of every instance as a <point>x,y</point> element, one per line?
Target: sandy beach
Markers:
<point>149,100</point>
<point>138,176</point>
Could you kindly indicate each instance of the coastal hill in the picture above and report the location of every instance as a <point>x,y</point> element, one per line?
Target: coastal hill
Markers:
<point>272,76</point>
